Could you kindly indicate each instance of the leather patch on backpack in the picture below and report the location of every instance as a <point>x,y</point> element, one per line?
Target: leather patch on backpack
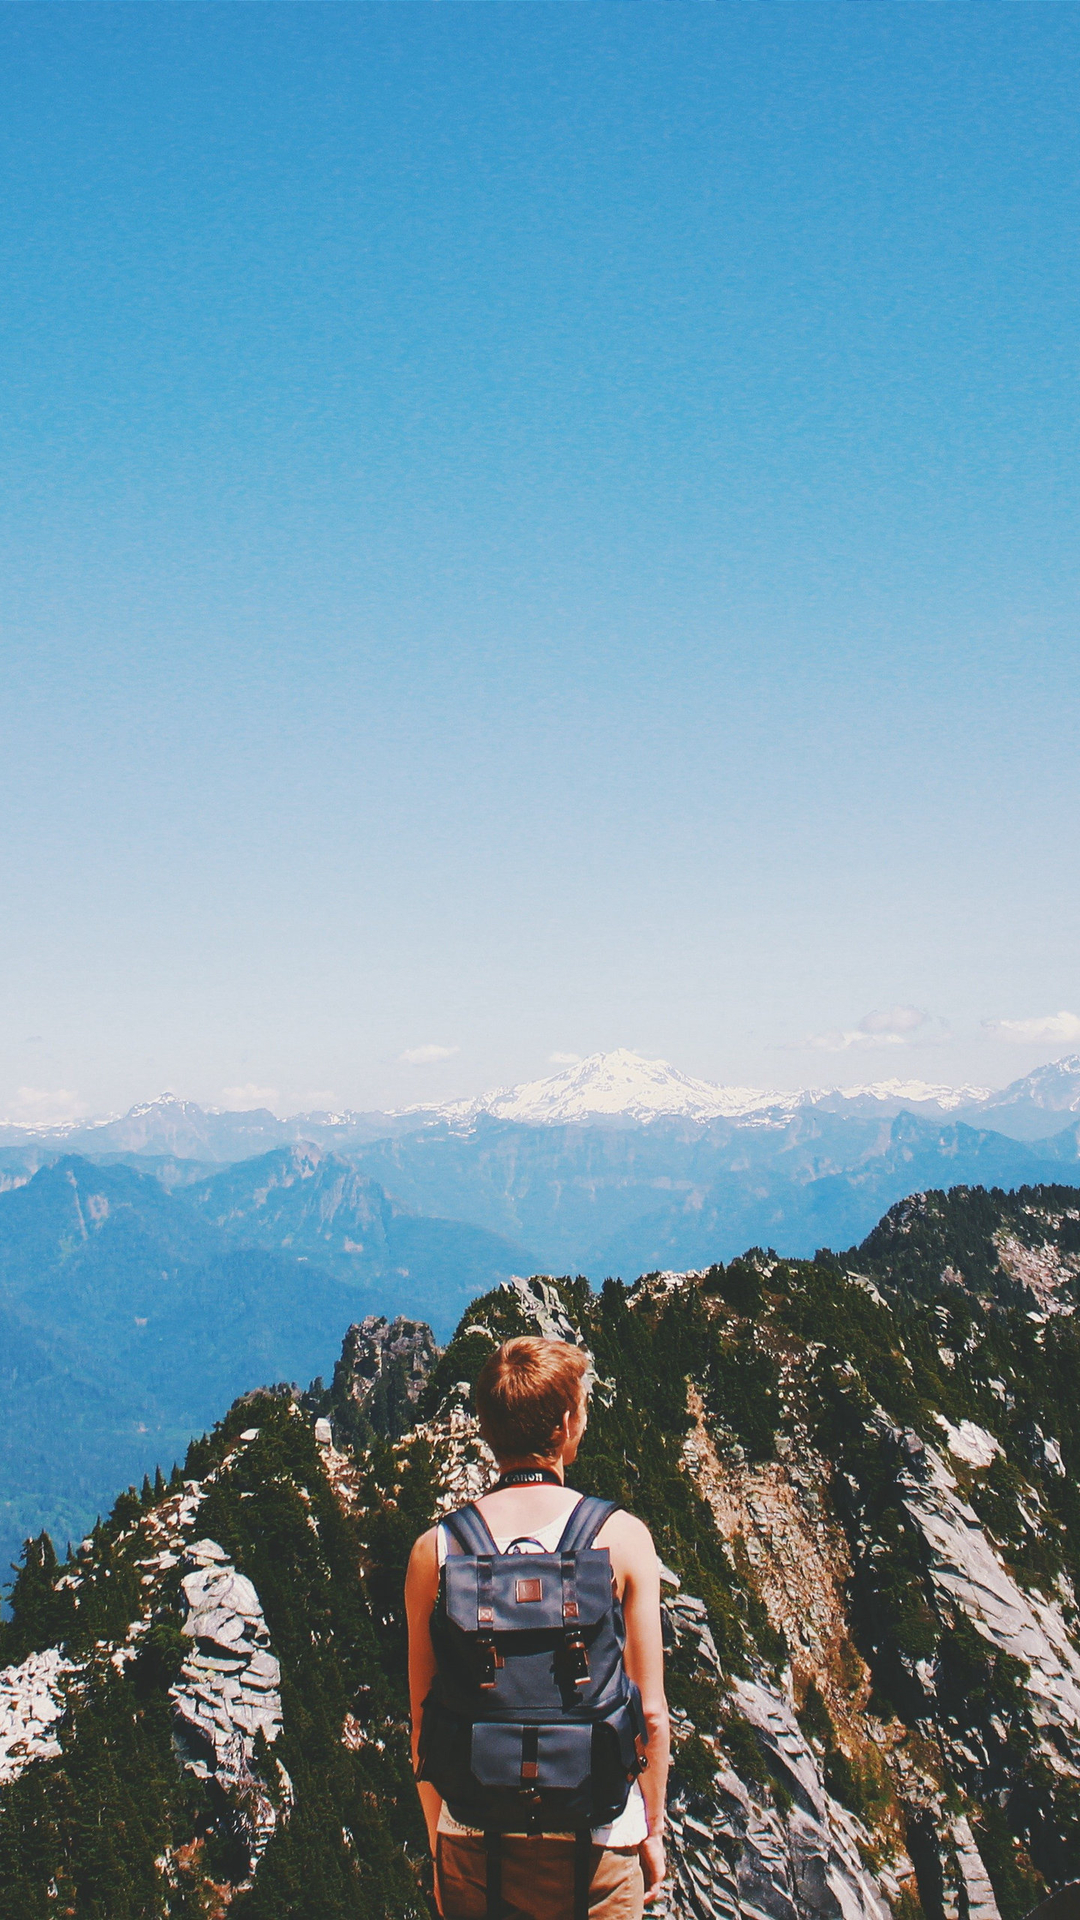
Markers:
<point>528,1590</point>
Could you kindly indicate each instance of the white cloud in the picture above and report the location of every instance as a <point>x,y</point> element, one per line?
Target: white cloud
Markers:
<point>1047,1028</point>
<point>242,1099</point>
<point>564,1059</point>
<point>894,1020</point>
<point>881,1027</point>
<point>38,1107</point>
<point>427,1056</point>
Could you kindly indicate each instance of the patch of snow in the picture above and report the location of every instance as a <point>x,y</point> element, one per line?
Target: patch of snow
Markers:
<point>612,1085</point>
<point>1055,1087</point>
<point>909,1093</point>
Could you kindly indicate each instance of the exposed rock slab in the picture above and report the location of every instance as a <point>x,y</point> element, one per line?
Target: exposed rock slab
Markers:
<point>32,1704</point>
<point>967,1573</point>
<point>746,1857</point>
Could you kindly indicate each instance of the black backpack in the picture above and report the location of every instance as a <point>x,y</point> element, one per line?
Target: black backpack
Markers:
<point>531,1722</point>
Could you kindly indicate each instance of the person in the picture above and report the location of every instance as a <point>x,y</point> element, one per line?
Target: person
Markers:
<point>532,1404</point>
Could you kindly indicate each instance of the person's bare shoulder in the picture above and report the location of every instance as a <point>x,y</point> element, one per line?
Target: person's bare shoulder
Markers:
<point>424,1558</point>
<point>628,1541</point>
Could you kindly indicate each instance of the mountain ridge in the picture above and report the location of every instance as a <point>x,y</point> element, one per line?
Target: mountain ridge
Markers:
<point>618,1086</point>
<point>623,1084</point>
<point>130,1314</point>
<point>861,1473</point>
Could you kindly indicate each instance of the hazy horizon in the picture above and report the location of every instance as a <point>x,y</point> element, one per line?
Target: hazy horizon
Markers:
<point>248,1099</point>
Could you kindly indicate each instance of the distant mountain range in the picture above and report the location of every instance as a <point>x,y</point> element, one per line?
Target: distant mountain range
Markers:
<point>616,1165</point>
<point>616,1088</point>
<point>623,1086</point>
<point>129,1313</point>
<point>153,1267</point>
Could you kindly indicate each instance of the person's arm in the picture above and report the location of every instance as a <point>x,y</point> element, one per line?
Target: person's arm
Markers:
<point>421,1592</point>
<point>644,1659</point>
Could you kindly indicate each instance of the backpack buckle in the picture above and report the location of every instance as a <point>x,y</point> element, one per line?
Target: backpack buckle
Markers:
<point>490,1661</point>
<point>577,1659</point>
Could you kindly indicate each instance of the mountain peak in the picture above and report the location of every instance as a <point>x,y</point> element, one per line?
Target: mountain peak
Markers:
<point>165,1103</point>
<point>1055,1087</point>
<point>620,1084</point>
<point>625,1085</point>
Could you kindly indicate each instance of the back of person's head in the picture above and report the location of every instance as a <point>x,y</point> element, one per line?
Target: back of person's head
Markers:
<point>525,1390</point>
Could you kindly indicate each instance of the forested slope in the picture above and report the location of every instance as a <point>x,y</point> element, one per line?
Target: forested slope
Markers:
<point>861,1472</point>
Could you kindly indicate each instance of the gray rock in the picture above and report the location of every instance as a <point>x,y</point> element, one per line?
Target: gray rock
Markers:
<point>222,1699</point>
<point>32,1704</point>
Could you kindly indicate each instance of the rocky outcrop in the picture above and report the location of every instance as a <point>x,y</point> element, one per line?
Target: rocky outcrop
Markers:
<point>229,1689</point>
<point>777,1513</point>
<point>32,1704</point>
<point>464,1464</point>
<point>540,1302</point>
<point>376,1347</point>
<point>1048,1272</point>
<point>966,1879</point>
<point>968,1574</point>
<point>738,1850</point>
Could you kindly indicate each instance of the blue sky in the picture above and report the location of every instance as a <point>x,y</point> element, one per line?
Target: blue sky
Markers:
<point>534,528</point>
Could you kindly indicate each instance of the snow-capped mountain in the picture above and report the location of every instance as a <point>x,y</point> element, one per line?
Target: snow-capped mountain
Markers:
<point>622,1085</point>
<point>1039,1103</point>
<point>891,1096</point>
<point>609,1085</point>
<point>172,1126</point>
<point>612,1088</point>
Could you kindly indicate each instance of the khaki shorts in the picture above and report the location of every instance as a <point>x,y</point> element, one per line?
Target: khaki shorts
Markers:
<point>537,1879</point>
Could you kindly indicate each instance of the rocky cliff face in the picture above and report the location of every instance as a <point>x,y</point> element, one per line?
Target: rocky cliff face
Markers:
<point>383,1369</point>
<point>862,1478</point>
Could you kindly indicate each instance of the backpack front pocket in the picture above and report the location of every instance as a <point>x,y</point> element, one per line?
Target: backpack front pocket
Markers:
<point>545,1757</point>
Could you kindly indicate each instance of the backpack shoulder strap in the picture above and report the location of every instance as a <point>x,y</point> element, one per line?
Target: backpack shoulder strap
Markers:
<point>470,1530</point>
<point>585,1522</point>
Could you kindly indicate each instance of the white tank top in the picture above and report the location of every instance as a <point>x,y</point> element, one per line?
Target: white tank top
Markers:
<point>632,1825</point>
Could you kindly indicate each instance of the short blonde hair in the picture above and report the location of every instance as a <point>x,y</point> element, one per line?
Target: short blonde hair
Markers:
<point>525,1389</point>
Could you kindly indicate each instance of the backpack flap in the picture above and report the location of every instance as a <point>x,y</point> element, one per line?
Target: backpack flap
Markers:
<point>524,1592</point>
<point>533,1757</point>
